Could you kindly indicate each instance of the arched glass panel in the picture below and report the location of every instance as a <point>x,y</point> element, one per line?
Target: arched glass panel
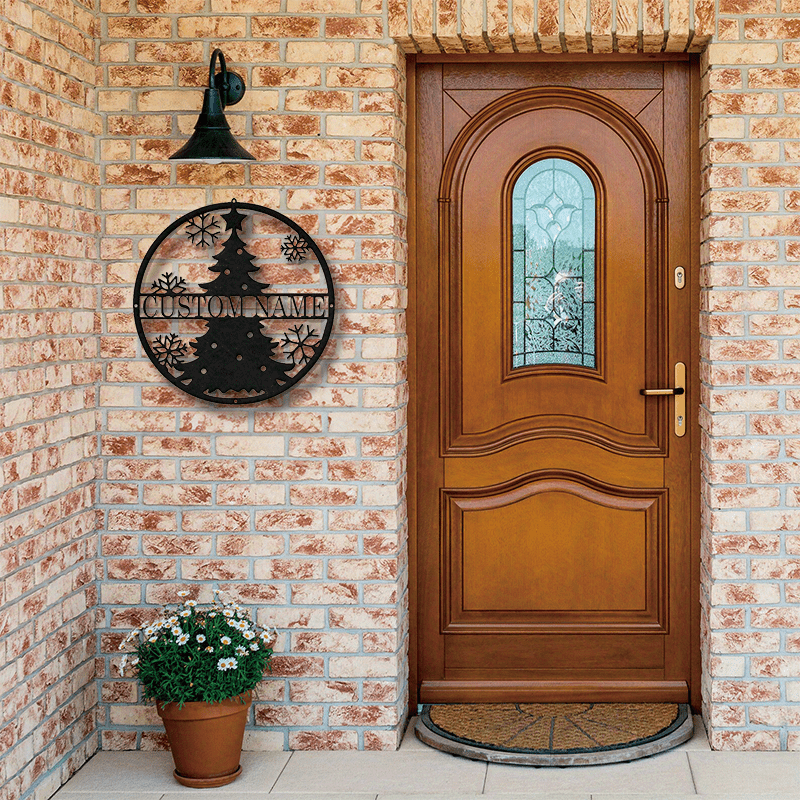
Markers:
<point>553,229</point>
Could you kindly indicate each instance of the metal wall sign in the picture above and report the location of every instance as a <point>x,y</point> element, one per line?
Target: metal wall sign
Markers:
<point>234,303</point>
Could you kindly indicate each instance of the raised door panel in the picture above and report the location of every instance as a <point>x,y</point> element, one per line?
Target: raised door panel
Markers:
<point>492,404</point>
<point>601,657</point>
<point>554,553</point>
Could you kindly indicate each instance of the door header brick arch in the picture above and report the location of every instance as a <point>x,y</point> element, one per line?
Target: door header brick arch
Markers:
<point>551,26</point>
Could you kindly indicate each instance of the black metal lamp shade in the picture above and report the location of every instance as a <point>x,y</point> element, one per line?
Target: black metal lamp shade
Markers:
<point>212,139</point>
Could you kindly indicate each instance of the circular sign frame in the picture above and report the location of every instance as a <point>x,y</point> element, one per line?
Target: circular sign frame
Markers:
<point>322,305</point>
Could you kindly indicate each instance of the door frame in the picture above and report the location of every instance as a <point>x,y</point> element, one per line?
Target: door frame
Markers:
<point>693,284</point>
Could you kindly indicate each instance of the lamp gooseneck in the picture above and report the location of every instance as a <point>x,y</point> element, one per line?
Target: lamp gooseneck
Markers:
<point>212,139</point>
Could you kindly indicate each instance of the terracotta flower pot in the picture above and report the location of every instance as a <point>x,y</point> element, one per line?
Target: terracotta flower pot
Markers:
<point>206,739</point>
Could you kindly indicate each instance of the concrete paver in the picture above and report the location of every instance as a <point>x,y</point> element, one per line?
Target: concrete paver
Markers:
<point>416,772</point>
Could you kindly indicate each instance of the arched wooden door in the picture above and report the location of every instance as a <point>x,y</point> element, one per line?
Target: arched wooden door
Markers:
<point>554,502</point>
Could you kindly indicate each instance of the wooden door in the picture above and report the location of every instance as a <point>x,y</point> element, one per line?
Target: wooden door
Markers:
<point>555,504</point>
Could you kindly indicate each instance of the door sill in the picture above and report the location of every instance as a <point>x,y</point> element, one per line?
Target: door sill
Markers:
<point>554,692</point>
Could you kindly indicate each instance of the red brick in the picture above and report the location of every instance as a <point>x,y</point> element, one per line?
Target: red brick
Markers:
<point>142,520</point>
<point>323,691</point>
<point>215,521</point>
<point>180,545</point>
<point>281,520</point>
<point>744,691</point>
<point>323,740</point>
<point>228,569</point>
<point>297,667</point>
<point>744,740</point>
<point>141,569</point>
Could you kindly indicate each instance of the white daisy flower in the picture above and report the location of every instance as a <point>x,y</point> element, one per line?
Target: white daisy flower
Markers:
<point>153,639</point>
<point>176,631</point>
<point>228,612</point>
<point>172,620</point>
<point>183,593</point>
<point>249,635</point>
<point>191,603</point>
<point>253,646</point>
<point>201,637</point>
<point>185,613</point>
<point>182,639</point>
<point>223,664</point>
<point>209,649</point>
<point>213,614</point>
<point>225,640</point>
<point>240,651</point>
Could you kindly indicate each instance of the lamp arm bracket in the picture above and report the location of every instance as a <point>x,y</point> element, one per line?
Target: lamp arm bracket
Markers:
<point>230,85</point>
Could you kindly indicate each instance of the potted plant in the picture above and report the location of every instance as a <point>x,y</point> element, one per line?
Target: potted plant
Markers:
<point>201,664</point>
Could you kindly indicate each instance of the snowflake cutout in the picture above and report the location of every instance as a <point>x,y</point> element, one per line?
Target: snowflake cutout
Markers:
<point>169,284</point>
<point>202,229</point>
<point>168,349</point>
<point>299,345</point>
<point>294,248</point>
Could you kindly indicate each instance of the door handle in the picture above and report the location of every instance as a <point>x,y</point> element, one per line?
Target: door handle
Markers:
<point>679,393</point>
<point>651,392</point>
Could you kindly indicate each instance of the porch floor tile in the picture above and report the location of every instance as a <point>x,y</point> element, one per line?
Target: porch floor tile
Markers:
<point>729,772</point>
<point>405,772</point>
<point>416,772</point>
<point>124,774</point>
<point>667,772</point>
<point>70,795</point>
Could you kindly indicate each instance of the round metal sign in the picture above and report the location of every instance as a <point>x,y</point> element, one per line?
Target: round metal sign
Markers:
<point>234,303</point>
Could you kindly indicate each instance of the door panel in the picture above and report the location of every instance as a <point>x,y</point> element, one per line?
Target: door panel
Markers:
<point>530,402</point>
<point>493,534</point>
<point>553,521</point>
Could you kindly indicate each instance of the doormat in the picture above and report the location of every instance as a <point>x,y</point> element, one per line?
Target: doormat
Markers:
<point>555,734</point>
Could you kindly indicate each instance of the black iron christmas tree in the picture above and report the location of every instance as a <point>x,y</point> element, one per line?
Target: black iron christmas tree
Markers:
<point>234,264</point>
<point>234,354</point>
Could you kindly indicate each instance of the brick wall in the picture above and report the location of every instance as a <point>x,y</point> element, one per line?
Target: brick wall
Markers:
<point>749,324</point>
<point>48,353</point>
<point>296,507</point>
<point>325,115</point>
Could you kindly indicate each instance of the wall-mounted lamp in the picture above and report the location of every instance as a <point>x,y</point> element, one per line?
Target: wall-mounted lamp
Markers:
<point>212,139</point>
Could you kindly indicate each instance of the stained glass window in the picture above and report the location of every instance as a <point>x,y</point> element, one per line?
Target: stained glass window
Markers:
<point>553,219</point>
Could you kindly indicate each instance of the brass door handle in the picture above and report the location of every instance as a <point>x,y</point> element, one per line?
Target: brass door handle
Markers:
<point>679,392</point>
<point>651,392</point>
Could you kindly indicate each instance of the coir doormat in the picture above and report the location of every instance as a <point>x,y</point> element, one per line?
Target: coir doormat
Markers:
<point>555,734</point>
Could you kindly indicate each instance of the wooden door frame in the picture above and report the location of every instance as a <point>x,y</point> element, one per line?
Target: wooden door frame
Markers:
<point>412,322</point>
